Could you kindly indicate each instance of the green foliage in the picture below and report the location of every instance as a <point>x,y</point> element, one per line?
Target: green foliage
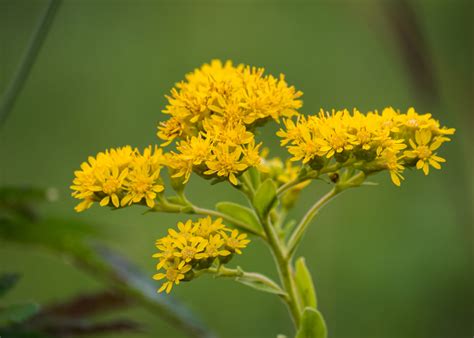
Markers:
<point>20,223</point>
<point>242,214</point>
<point>312,325</point>
<point>258,284</point>
<point>265,198</point>
<point>304,284</point>
<point>255,178</point>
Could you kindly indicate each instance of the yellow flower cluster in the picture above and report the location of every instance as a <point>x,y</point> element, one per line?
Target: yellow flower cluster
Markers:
<point>213,114</point>
<point>119,177</point>
<point>196,245</point>
<point>372,142</point>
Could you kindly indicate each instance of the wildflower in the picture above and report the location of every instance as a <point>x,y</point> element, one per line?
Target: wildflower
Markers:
<point>206,226</point>
<point>175,272</point>
<point>226,162</point>
<point>196,245</point>
<point>119,177</point>
<point>372,142</point>
<point>423,151</point>
<point>221,91</point>
<point>394,166</point>
<point>186,230</point>
<point>235,241</point>
<point>215,247</point>
<point>190,248</point>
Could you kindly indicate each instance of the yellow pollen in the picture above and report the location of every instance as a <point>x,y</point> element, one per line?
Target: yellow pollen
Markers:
<point>188,252</point>
<point>111,185</point>
<point>172,274</point>
<point>423,152</point>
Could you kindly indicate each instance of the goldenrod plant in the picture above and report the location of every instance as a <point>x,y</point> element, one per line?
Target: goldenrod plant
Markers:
<point>214,116</point>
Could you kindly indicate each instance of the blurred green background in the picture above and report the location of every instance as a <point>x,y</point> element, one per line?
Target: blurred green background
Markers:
<point>387,262</point>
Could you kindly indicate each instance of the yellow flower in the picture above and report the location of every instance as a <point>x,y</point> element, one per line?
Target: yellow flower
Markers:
<point>120,177</point>
<point>215,247</point>
<point>235,241</point>
<point>175,272</point>
<point>190,248</point>
<point>423,151</point>
<point>372,142</point>
<point>240,95</point>
<point>110,182</point>
<point>186,230</point>
<point>142,184</point>
<point>167,248</point>
<point>205,227</point>
<point>226,162</point>
<point>394,166</point>
<point>197,245</point>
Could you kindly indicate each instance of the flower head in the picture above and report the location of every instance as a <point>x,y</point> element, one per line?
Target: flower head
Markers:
<point>423,150</point>
<point>196,245</point>
<point>119,177</point>
<point>369,142</point>
<point>213,114</point>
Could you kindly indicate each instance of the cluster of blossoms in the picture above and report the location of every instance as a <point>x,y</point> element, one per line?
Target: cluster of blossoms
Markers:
<point>372,142</point>
<point>213,115</point>
<point>119,177</point>
<point>195,246</point>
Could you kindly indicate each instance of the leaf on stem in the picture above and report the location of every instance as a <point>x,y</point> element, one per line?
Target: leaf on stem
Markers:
<point>304,284</point>
<point>254,175</point>
<point>312,325</point>
<point>265,198</point>
<point>260,282</point>
<point>242,214</point>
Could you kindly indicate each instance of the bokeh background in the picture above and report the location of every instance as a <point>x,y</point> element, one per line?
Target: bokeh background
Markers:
<point>388,262</point>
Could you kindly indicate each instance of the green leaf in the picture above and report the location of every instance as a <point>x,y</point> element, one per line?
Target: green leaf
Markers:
<point>258,284</point>
<point>265,198</point>
<point>254,175</point>
<point>7,281</point>
<point>304,284</point>
<point>312,325</point>
<point>17,313</point>
<point>242,214</point>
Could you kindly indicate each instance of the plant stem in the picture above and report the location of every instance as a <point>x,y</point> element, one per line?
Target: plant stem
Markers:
<point>222,271</point>
<point>306,220</point>
<point>284,270</point>
<point>300,229</point>
<point>28,59</point>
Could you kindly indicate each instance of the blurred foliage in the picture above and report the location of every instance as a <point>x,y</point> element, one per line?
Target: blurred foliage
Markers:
<point>80,242</point>
<point>387,262</point>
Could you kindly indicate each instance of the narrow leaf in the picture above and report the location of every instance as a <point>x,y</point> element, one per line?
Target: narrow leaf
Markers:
<point>312,325</point>
<point>304,284</point>
<point>242,214</point>
<point>260,283</point>
<point>265,198</point>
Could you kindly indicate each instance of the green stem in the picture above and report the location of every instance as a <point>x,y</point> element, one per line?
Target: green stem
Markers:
<point>300,229</point>
<point>306,220</point>
<point>28,59</point>
<point>284,270</point>
<point>313,175</point>
<point>222,271</point>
